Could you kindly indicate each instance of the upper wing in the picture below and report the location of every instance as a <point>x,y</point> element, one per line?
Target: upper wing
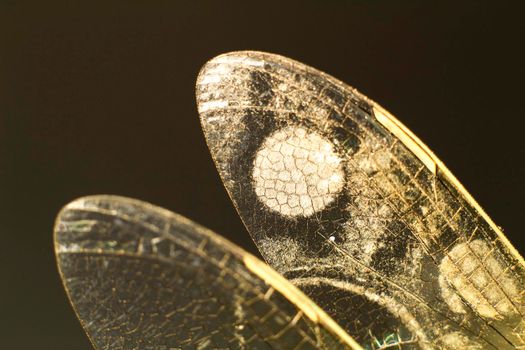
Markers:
<point>347,203</point>
<point>141,277</point>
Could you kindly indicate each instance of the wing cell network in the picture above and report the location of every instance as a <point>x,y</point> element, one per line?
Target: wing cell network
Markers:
<point>141,277</point>
<point>349,205</point>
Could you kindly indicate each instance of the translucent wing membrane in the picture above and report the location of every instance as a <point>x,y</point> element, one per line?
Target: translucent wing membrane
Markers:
<point>350,206</point>
<point>141,277</point>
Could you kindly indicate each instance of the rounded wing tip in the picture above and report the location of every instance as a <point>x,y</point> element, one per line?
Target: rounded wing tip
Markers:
<point>62,214</point>
<point>222,74</point>
<point>114,206</point>
<point>240,54</point>
<point>242,57</point>
<point>85,202</point>
<point>99,200</point>
<point>247,57</point>
<point>76,204</point>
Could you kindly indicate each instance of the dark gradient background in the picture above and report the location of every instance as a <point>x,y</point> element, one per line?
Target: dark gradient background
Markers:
<point>99,98</point>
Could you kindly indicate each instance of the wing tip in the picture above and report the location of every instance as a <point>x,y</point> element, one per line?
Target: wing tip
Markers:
<point>80,203</point>
<point>66,231</point>
<point>91,202</point>
<point>218,64</point>
<point>255,55</point>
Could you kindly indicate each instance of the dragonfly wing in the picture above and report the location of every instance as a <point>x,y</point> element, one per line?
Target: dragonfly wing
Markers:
<point>348,204</point>
<point>141,277</point>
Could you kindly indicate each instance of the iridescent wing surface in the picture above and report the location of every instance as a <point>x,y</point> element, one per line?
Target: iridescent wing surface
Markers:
<point>349,205</point>
<point>141,277</point>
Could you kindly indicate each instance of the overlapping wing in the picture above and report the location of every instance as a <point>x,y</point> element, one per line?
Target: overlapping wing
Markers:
<point>141,277</point>
<point>349,205</point>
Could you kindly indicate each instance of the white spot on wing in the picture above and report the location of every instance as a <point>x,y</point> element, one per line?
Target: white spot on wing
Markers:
<point>471,269</point>
<point>297,172</point>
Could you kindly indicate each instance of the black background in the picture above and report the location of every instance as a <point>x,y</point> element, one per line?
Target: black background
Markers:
<point>99,98</point>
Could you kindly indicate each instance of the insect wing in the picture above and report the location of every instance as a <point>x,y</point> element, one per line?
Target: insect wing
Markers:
<point>349,205</point>
<point>141,277</point>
